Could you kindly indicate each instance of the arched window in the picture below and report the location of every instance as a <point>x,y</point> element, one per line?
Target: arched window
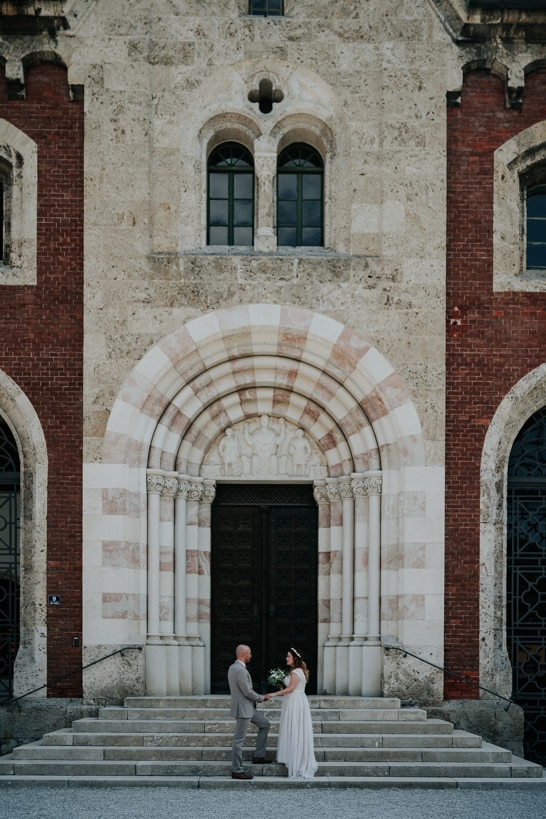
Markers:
<point>230,213</point>
<point>300,174</point>
<point>536,226</point>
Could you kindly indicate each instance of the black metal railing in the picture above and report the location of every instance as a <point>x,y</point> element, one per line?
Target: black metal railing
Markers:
<point>450,673</point>
<point>54,682</point>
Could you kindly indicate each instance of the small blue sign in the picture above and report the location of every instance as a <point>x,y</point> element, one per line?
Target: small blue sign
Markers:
<point>54,599</point>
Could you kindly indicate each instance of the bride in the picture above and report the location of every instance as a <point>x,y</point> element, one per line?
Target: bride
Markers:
<point>295,746</point>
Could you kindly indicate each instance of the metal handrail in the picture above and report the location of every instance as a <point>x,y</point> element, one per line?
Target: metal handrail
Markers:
<point>460,677</point>
<point>11,700</point>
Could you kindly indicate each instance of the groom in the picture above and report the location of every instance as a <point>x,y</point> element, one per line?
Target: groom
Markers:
<point>243,709</point>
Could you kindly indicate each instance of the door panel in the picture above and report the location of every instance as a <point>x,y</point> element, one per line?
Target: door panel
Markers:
<point>264,578</point>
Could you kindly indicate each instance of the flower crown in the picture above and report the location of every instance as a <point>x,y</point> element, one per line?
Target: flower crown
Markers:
<point>296,653</point>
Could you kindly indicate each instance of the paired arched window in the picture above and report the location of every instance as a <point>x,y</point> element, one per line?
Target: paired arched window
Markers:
<point>536,226</point>
<point>300,196</point>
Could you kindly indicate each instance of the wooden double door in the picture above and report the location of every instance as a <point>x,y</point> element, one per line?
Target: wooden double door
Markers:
<point>264,578</point>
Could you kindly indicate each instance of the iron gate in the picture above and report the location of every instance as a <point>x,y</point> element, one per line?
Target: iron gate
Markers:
<point>526,580</point>
<point>9,559</point>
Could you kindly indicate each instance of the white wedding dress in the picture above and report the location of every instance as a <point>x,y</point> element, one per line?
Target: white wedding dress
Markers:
<point>295,747</point>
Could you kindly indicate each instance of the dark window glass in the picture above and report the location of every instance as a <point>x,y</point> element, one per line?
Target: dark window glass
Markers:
<point>230,214</point>
<point>300,197</point>
<point>536,227</point>
<point>266,8</point>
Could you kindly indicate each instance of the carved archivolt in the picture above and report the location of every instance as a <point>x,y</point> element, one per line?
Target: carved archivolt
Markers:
<point>264,448</point>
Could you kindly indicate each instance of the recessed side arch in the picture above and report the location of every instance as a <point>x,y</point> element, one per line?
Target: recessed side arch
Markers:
<point>18,412</point>
<point>523,400</point>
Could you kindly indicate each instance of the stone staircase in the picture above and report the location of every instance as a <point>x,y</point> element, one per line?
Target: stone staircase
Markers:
<point>182,739</point>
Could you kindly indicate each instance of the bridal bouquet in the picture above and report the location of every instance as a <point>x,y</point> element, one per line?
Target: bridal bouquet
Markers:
<point>276,677</point>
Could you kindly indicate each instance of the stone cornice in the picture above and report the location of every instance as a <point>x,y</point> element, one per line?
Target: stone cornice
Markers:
<point>485,21</point>
<point>26,17</point>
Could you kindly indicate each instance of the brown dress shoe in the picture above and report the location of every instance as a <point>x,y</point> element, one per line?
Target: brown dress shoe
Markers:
<point>241,775</point>
<point>261,760</point>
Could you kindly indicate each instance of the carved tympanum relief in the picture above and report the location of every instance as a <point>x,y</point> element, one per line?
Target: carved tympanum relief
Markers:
<point>264,447</point>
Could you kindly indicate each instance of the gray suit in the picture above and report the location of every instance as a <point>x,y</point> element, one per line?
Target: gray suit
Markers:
<point>243,710</point>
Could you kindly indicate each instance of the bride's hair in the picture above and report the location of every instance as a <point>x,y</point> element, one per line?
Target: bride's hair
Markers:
<point>299,662</point>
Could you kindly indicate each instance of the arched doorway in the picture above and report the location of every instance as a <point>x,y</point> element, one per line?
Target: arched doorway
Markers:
<point>9,558</point>
<point>526,580</point>
<point>264,561</point>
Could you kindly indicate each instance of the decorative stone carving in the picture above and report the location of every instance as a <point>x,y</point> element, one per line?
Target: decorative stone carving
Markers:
<point>170,486</point>
<point>373,485</point>
<point>154,484</point>
<point>264,448</point>
<point>332,490</point>
<point>183,488</point>
<point>209,491</point>
<point>320,494</point>
<point>195,490</point>
<point>345,489</point>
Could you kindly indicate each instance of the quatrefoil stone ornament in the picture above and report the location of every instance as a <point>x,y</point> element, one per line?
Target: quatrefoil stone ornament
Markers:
<point>265,95</point>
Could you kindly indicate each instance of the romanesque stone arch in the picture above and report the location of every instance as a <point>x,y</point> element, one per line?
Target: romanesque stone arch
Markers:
<point>314,379</point>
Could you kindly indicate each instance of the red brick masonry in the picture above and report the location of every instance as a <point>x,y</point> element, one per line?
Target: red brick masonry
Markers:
<point>493,340</point>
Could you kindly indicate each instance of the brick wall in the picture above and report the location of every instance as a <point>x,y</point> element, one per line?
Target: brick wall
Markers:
<point>41,342</point>
<point>493,340</point>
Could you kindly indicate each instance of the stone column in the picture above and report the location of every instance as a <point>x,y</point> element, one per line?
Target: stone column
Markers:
<point>336,551</point>
<point>155,674</point>
<point>347,592</point>
<point>180,624</point>
<point>265,163</point>
<point>360,583</point>
<point>326,655</point>
<point>166,581</point>
<point>373,655</point>
<point>203,611</point>
<point>192,584</point>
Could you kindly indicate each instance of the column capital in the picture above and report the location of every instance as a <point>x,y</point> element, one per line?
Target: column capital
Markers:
<point>345,487</point>
<point>209,490</point>
<point>332,489</point>
<point>320,492</point>
<point>367,483</point>
<point>154,483</point>
<point>373,482</point>
<point>170,484</point>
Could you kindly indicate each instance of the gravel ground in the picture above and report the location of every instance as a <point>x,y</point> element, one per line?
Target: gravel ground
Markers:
<point>168,803</point>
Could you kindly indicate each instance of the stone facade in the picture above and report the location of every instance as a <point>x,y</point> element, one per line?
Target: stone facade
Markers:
<point>340,348</point>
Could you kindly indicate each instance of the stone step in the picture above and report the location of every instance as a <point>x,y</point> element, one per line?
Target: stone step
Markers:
<point>412,769</point>
<point>188,726</point>
<point>36,751</point>
<point>189,738</point>
<point>456,739</point>
<point>222,714</point>
<point>223,701</point>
